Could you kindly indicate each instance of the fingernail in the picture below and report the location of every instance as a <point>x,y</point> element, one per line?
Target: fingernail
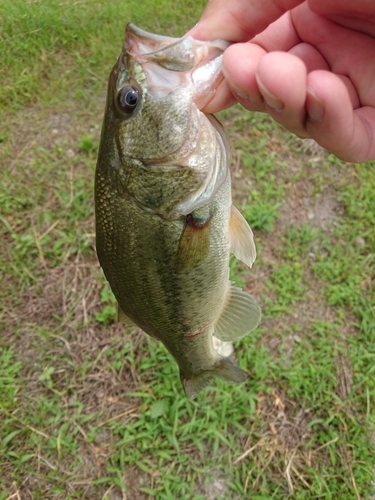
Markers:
<point>240,93</point>
<point>235,90</point>
<point>314,106</point>
<point>271,100</point>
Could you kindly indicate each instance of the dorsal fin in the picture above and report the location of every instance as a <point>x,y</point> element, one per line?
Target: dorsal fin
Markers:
<point>240,316</point>
<point>241,237</point>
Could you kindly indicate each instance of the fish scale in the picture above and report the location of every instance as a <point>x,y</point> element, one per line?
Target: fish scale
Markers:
<point>165,224</point>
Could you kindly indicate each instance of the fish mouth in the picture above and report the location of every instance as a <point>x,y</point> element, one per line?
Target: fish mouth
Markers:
<point>171,62</point>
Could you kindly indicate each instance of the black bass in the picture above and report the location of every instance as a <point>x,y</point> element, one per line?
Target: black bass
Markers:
<point>165,224</point>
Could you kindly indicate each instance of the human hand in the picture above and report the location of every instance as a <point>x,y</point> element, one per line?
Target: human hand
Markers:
<point>312,68</point>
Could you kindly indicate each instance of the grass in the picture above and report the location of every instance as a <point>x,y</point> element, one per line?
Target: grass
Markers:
<point>89,409</point>
<point>53,47</point>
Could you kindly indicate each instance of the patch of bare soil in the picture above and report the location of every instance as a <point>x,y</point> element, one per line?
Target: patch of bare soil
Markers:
<point>281,449</point>
<point>69,296</point>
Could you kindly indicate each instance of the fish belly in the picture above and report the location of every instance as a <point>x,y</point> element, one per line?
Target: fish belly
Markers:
<point>138,251</point>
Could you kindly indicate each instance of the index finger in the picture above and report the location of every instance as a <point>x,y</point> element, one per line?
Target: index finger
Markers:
<point>239,20</point>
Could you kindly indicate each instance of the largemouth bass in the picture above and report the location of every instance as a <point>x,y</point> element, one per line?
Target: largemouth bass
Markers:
<point>165,224</point>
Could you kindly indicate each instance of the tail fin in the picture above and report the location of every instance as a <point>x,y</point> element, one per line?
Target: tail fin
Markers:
<point>223,368</point>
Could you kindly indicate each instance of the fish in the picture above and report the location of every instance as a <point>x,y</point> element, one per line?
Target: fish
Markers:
<point>165,223</point>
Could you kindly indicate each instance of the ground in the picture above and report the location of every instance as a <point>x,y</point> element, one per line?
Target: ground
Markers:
<point>92,409</point>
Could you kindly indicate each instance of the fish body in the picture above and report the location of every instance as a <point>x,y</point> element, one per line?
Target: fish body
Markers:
<point>165,224</point>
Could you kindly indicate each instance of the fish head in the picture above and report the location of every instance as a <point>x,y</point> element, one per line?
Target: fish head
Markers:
<point>156,90</point>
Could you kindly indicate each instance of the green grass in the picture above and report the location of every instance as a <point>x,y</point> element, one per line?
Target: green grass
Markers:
<point>51,47</point>
<point>90,408</point>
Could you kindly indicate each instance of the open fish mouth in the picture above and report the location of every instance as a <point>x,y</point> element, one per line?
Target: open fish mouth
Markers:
<point>169,63</point>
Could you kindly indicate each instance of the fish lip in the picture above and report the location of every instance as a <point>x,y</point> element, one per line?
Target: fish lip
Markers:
<point>144,46</point>
<point>154,41</point>
<point>132,29</point>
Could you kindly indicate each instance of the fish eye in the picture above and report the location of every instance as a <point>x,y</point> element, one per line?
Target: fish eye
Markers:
<point>128,98</point>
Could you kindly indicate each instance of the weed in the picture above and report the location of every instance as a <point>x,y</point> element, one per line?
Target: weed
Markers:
<point>261,215</point>
<point>88,145</point>
<point>108,314</point>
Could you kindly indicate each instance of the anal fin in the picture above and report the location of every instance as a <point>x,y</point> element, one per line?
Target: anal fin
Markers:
<point>241,237</point>
<point>241,315</point>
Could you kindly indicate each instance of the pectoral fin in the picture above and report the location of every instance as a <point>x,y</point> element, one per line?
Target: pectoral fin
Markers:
<point>194,242</point>
<point>241,237</point>
<point>240,316</point>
